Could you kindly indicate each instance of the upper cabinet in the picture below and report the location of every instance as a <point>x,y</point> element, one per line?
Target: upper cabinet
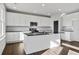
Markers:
<point>16,19</point>
<point>68,19</point>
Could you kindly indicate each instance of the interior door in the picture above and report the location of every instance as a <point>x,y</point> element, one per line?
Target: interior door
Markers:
<point>55,27</point>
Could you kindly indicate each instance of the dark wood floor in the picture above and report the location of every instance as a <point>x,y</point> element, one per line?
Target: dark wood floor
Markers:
<point>74,43</point>
<point>14,49</point>
<point>17,49</point>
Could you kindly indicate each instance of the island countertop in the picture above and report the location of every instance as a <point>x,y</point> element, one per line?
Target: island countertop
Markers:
<point>37,33</point>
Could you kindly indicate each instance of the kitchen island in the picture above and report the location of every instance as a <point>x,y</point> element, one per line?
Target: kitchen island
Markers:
<point>36,42</point>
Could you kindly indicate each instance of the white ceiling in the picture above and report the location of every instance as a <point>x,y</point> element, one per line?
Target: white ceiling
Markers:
<point>44,8</point>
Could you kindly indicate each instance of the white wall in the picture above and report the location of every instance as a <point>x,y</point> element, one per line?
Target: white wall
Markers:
<point>2,19</point>
<point>2,44</point>
<point>2,27</point>
<point>67,21</point>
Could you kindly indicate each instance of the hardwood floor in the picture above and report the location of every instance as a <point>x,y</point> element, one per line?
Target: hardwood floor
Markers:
<point>14,49</point>
<point>17,49</point>
<point>74,45</point>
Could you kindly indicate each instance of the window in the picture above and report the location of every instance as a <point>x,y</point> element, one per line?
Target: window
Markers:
<point>2,27</point>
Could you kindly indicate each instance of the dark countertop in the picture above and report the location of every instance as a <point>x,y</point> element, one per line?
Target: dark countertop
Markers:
<point>35,34</point>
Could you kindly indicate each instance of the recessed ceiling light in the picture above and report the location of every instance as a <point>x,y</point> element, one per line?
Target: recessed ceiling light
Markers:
<point>59,9</point>
<point>48,13</point>
<point>43,5</point>
<point>14,6</point>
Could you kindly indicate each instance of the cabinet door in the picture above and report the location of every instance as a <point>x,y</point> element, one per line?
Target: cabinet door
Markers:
<point>13,37</point>
<point>34,44</point>
<point>44,21</point>
<point>15,19</point>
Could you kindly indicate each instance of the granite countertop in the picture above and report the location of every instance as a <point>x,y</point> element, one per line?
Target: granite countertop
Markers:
<point>36,33</point>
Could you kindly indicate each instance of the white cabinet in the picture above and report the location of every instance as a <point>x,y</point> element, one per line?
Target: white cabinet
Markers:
<point>66,36</point>
<point>45,21</point>
<point>13,37</point>
<point>16,19</point>
<point>55,41</point>
<point>71,20</point>
<point>37,43</point>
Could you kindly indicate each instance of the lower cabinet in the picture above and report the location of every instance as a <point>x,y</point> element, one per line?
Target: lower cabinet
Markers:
<point>13,37</point>
<point>66,36</point>
<point>34,44</point>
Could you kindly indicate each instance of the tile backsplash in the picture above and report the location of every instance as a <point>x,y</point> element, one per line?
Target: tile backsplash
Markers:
<point>26,28</point>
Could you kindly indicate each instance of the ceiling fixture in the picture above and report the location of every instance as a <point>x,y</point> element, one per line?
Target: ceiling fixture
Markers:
<point>59,9</point>
<point>14,6</point>
<point>43,5</point>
